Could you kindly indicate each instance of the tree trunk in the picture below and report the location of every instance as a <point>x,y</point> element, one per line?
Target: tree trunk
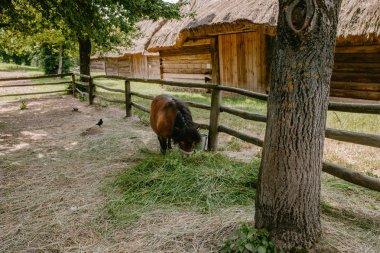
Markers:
<point>84,56</point>
<point>288,193</point>
<point>60,60</point>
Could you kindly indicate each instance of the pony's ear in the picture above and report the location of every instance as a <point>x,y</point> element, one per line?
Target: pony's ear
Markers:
<point>196,126</point>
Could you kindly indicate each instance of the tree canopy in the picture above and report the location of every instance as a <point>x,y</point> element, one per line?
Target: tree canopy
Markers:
<point>104,24</point>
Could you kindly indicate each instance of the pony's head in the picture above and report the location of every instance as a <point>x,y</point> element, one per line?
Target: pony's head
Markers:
<point>186,138</point>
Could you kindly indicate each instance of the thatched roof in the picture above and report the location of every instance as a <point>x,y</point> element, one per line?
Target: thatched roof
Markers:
<point>214,13</point>
<point>357,18</point>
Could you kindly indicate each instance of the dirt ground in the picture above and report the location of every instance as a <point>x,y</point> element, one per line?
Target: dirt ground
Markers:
<point>54,162</point>
<point>51,173</point>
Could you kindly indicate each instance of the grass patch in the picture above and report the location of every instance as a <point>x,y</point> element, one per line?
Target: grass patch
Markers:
<point>204,182</point>
<point>10,67</point>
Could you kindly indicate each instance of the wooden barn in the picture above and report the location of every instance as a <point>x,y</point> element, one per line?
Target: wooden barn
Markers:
<point>356,72</point>
<point>133,61</point>
<point>231,43</point>
<point>223,35</point>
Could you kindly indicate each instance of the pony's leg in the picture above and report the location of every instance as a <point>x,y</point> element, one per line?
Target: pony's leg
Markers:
<point>169,143</point>
<point>163,145</point>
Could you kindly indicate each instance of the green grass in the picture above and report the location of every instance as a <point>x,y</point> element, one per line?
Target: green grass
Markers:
<point>205,182</point>
<point>9,67</point>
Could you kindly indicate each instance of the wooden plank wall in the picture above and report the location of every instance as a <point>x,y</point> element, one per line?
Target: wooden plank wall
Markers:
<point>153,67</point>
<point>97,65</point>
<point>191,63</point>
<point>125,66</point>
<point>139,66</point>
<point>134,66</point>
<point>242,60</point>
<point>112,67</point>
<point>356,72</point>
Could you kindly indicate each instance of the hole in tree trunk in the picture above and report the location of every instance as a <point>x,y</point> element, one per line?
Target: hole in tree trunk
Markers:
<point>299,15</point>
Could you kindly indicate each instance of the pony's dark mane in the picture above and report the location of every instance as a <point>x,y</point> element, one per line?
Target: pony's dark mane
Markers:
<point>184,122</point>
<point>183,118</point>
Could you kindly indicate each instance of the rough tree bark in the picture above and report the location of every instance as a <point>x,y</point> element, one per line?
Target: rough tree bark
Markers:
<point>288,194</point>
<point>84,56</point>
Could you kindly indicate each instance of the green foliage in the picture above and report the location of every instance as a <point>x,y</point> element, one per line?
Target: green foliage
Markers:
<point>50,60</point>
<point>249,239</point>
<point>204,182</point>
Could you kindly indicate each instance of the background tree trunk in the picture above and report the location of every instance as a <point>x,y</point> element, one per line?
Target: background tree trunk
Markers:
<point>84,56</point>
<point>288,194</point>
<point>60,60</point>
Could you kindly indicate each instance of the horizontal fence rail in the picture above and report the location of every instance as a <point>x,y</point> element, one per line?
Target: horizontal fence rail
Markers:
<point>32,84</point>
<point>32,93</point>
<point>109,89</point>
<point>33,77</point>
<point>140,107</point>
<point>215,108</point>
<point>86,84</point>
<point>357,108</point>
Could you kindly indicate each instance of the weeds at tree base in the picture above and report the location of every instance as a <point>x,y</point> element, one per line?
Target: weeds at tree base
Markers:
<point>249,239</point>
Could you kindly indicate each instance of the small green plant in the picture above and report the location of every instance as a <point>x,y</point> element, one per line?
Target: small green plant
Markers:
<point>249,239</point>
<point>82,98</point>
<point>23,105</point>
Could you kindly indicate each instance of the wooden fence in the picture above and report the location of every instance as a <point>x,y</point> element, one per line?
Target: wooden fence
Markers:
<point>216,107</point>
<point>30,84</point>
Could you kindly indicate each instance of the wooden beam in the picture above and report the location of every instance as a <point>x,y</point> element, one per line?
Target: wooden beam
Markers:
<point>32,84</point>
<point>128,99</point>
<point>109,89</point>
<point>357,108</point>
<point>33,93</point>
<point>198,105</point>
<point>140,107</point>
<point>215,64</point>
<point>142,95</point>
<point>245,137</point>
<point>33,77</point>
<point>353,137</point>
<point>86,84</point>
<point>244,114</point>
<point>352,176</point>
<point>216,100</point>
<point>243,92</point>
<point>108,99</point>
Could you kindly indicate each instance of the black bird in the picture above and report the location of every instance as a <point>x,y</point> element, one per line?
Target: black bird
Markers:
<point>100,123</point>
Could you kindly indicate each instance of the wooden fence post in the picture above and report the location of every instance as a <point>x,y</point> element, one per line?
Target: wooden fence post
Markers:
<point>91,91</point>
<point>214,119</point>
<point>128,99</point>
<point>216,97</point>
<point>73,84</point>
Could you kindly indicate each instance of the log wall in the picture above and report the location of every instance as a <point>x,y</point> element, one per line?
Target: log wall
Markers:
<point>191,63</point>
<point>356,72</point>
<point>97,65</point>
<point>134,66</point>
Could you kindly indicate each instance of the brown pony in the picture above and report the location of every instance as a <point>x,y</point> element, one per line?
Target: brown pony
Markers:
<point>171,118</point>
